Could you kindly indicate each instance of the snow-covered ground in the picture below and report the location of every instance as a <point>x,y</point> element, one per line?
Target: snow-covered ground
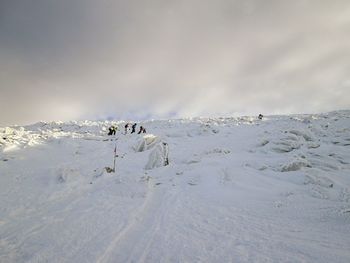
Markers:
<point>235,190</point>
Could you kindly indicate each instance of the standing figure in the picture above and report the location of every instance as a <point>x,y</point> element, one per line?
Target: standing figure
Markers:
<point>133,127</point>
<point>141,130</point>
<point>110,130</point>
<point>260,116</point>
<point>126,128</point>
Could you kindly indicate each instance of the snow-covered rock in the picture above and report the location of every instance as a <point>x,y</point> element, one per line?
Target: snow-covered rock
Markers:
<point>295,165</point>
<point>146,142</point>
<point>159,156</point>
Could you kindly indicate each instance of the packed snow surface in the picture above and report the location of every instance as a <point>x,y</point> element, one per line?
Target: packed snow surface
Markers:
<point>235,190</point>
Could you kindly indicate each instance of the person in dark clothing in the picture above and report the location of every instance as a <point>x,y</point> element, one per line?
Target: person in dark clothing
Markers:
<point>126,128</point>
<point>260,117</point>
<point>142,130</point>
<point>133,127</point>
<point>112,130</point>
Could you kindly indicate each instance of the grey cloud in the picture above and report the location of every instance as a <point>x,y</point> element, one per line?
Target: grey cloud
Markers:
<point>72,59</point>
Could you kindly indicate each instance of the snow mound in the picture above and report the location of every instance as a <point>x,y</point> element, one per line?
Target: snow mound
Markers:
<point>295,165</point>
<point>158,157</point>
<point>286,145</point>
<point>146,142</point>
<point>307,135</point>
<point>12,138</point>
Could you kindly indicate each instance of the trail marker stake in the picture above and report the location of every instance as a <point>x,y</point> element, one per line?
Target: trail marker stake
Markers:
<point>115,155</point>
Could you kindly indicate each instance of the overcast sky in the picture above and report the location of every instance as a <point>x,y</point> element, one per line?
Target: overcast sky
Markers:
<point>88,59</point>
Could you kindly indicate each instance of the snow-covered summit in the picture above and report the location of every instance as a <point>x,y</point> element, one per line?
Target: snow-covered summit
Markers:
<point>236,189</point>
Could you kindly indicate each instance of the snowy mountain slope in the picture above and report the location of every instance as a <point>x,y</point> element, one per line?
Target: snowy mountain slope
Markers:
<point>236,190</point>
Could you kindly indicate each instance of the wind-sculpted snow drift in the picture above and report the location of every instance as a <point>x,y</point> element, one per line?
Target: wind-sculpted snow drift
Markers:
<point>235,190</point>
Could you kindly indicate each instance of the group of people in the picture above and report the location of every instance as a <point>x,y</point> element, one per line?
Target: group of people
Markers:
<point>133,128</point>
<point>113,129</point>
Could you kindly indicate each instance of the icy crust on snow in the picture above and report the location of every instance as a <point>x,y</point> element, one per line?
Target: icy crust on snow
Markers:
<point>17,137</point>
<point>317,145</point>
<point>12,138</point>
<point>235,190</point>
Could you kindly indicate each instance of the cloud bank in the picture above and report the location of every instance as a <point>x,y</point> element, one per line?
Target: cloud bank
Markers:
<point>76,59</point>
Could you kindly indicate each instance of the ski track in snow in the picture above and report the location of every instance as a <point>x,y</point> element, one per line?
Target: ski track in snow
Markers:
<point>236,190</point>
<point>120,248</point>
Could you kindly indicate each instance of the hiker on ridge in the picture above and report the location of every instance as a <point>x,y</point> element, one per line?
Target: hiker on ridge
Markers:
<point>112,130</point>
<point>126,128</point>
<point>133,127</point>
<point>142,130</point>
